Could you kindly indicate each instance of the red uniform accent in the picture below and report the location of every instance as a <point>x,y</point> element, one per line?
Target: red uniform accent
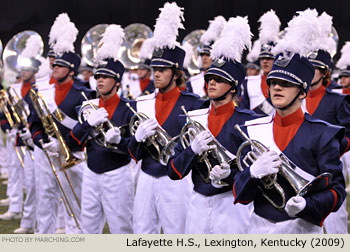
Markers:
<point>346,91</point>
<point>334,204</point>
<point>76,139</point>
<point>285,128</point>
<point>144,83</point>
<point>132,156</point>
<point>176,171</point>
<point>219,116</point>
<point>313,99</point>
<point>110,105</point>
<point>165,104</point>
<point>264,86</point>
<point>26,86</point>
<point>61,91</point>
<point>52,80</point>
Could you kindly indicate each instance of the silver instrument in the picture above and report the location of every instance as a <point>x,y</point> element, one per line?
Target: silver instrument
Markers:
<point>129,52</point>
<point>160,145</point>
<point>300,185</point>
<point>219,153</point>
<point>193,38</point>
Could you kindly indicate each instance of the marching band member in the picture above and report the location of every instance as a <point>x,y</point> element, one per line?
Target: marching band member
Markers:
<point>344,65</point>
<point>311,144</point>
<point>255,96</point>
<point>108,188</point>
<point>197,83</point>
<point>210,198</point>
<point>62,100</point>
<point>329,106</point>
<point>153,208</point>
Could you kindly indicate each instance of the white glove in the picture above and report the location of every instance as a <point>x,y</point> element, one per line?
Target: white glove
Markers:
<point>113,135</point>
<point>266,164</point>
<point>97,116</point>
<point>146,129</point>
<point>11,135</point>
<point>25,134</point>
<point>200,142</point>
<point>220,172</point>
<point>52,146</point>
<point>295,205</point>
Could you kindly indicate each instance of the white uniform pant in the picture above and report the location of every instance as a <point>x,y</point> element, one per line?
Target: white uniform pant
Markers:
<point>15,180</point>
<point>50,193</point>
<point>217,215</point>
<point>161,203</point>
<point>110,196</point>
<point>3,154</point>
<point>29,209</point>
<point>259,225</point>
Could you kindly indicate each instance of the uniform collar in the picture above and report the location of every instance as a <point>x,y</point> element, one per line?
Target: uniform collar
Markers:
<point>109,102</point>
<point>65,85</point>
<point>169,95</point>
<point>226,108</point>
<point>319,91</point>
<point>288,120</point>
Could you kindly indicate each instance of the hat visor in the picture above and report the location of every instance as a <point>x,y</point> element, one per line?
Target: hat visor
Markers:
<point>317,63</point>
<point>213,71</point>
<point>282,76</point>
<point>266,55</point>
<point>104,72</point>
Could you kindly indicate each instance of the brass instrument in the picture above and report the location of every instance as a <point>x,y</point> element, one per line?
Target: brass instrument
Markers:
<point>300,185</point>
<point>51,128</point>
<point>91,42</point>
<point>99,134</point>
<point>219,153</point>
<point>193,38</point>
<point>129,52</point>
<point>160,145</point>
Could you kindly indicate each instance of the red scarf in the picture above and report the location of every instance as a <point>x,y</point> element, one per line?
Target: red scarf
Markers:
<point>110,104</point>
<point>313,99</point>
<point>61,91</point>
<point>219,116</point>
<point>165,104</point>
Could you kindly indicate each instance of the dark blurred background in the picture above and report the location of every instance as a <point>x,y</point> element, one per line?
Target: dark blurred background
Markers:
<point>39,15</point>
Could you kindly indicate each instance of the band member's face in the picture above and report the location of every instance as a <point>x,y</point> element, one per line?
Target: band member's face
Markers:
<point>27,75</point>
<point>59,72</point>
<point>217,86</point>
<point>266,65</point>
<point>86,74</point>
<point>104,83</point>
<point>345,81</point>
<point>143,73</point>
<point>206,61</point>
<point>282,92</point>
<point>162,76</point>
<point>317,76</point>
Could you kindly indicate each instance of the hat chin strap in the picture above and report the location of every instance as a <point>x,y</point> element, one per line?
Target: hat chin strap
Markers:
<point>110,91</point>
<point>65,77</point>
<point>223,97</point>
<point>292,102</point>
<point>164,89</point>
<point>316,82</point>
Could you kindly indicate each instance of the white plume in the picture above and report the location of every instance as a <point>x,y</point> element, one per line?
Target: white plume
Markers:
<point>344,60</point>
<point>214,30</point>
<point>111,41</point>
<point>146,49</point>
<point>301,32</point>
<point>57,27</point>
<point>64,42</point>
<point>167,25</point>
<point>189,53</point>
<point>33,47</point>
<point>269,27</point>
<point>253,55</point>
<point>234,38</point>
<point>44,68</point>
<point>326,42</point>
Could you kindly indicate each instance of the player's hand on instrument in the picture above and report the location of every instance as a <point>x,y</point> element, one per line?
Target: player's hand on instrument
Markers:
<point>11,135</point>
<point>146,129</point>
<point>53,146</point>
<point>295,205</point>
<point>97,117</point>
<point>25,134</point>
<point>220,172</point>
<point>113,135</point>
<point>201,142</point>
<point>266,164</point>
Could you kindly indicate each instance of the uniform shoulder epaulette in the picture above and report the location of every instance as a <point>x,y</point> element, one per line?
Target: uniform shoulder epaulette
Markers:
<point>189,94</point>
<point>261,120</point>
<point>146,97</point>
<point>244,111</point>
<point>313,119</point>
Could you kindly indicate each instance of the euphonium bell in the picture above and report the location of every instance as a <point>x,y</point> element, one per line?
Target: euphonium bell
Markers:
<point>160,145</point>
<point>219,153</point>
<point>300,185</point>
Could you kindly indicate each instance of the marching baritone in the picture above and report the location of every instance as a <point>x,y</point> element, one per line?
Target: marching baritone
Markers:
<point>308,146</point>
<point>212,195</point>
<point>107,188</point>
<point>153,208</point>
